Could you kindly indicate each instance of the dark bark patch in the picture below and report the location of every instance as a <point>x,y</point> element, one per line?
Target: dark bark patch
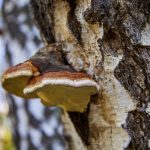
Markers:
<point>43,14</point>
<point>92,17</point>
<point>133,72</point>
<point>138,127</point>
<point>50,59</point>
<point>73,23</point>
<point>80,121</point>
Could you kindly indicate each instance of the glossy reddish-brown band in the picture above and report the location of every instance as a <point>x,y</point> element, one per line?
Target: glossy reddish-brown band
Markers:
<point>59,75</point>
<point>22,66</point>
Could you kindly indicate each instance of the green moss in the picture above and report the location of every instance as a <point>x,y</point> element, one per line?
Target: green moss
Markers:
<point>7,141</point>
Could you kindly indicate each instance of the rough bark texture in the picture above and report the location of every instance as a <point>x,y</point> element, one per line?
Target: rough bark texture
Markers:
<point>110,41</point>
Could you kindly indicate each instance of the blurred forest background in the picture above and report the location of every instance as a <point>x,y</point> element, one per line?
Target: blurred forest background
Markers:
<point>24,124</point>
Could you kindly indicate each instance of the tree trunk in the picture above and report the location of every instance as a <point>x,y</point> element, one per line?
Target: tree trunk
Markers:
<point>110,41</point>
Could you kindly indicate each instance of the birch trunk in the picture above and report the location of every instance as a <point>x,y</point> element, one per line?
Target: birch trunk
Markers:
<point>110,40</point>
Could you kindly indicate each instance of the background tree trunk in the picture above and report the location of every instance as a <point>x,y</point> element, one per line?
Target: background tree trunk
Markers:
<point>110,41</point>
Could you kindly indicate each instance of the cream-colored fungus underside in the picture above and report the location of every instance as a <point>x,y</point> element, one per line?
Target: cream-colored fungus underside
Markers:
<point>73,95</point>
<point>67,97</point>
<point>16,85</point>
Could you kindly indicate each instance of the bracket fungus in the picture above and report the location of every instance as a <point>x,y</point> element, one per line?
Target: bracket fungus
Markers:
<point>70,90</point>
<point>47,76</point>
<point>16,77</point>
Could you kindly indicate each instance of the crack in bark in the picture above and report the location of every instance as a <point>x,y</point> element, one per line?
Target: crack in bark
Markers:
<point>43,14</point>
<point>73,23</point>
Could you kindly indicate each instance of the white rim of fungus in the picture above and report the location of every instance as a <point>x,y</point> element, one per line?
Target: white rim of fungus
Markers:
<point>17,74</point>
<point>67,82</point>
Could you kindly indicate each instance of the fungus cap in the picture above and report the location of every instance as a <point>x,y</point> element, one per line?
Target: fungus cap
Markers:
<point>16,77</point>
<point>71,91</point>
